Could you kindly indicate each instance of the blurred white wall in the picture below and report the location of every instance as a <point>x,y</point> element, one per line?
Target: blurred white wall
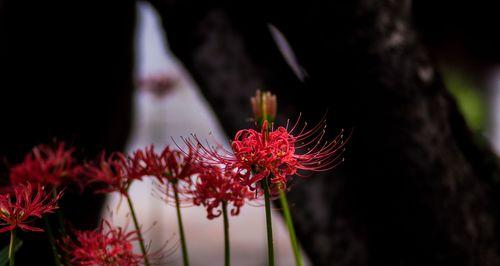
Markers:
<point>494,104</point>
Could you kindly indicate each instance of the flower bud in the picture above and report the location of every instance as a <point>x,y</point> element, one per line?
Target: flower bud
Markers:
<point>264,106</point>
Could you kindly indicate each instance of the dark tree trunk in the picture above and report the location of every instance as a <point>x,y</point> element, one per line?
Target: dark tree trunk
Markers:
<point>415,188</point>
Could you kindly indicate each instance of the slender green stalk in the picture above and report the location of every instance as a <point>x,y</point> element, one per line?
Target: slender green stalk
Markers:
<point>185,257</point>
<point>138,229</point>
<point>227,247</point>
<point>52,241</point>
<point>283,199</point>
<point>11,247</point>
<point>60,216</point>
<point>265,187</point>
<point>269,225</point>
<point>291,229</point>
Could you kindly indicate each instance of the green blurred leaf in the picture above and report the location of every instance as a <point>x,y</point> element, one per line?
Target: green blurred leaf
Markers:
<point>468,95</point>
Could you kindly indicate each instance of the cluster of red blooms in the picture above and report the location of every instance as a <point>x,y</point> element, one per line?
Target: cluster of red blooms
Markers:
<point>118,171</point>
<point>209,175</point>
<point>106,246</point>
<point>34,184</point>
<point>196,181</point>
<point>204,175</point>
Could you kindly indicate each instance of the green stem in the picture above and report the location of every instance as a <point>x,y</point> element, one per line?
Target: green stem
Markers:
<point>11,247</point>
<point>185,257</point>
<point>291,229</point>
<point>59,214</point>
<point>269,225</point>
<point>227,248</point>
<point>52,241</point>
<point>138,229</point>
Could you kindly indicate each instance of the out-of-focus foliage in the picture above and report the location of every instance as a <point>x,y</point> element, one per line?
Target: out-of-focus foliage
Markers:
<point>469,96</point>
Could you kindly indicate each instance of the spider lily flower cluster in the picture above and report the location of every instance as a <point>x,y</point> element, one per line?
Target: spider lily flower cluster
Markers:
<point>259,163</point>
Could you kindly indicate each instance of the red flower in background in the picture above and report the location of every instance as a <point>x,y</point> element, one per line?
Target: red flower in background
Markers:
<point>173,169</point>
<point>213,186</point>
<point>170,165</point>
<point>116,172</point>
<point>48,166</point>
<point>181,166</point>
<point>105,246</point>
<point>155,163</point>
<point>26,202</point>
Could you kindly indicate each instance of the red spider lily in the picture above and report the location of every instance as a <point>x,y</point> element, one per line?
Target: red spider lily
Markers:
<point>214,186</point>
<point>107,245</point>
<point>25,203</point>
<point>172,168</point>
<point>116,172</point>
<point>47,166</point>
<point>275,153</point>
<point>171,165</point>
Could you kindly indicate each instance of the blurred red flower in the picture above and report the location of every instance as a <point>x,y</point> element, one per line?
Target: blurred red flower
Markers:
<point>173,169</point>
<point>105,246</point>
<point>26,202</point>
<point>171,165</point>
<point>116,172</point>
<point>47,165</point>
